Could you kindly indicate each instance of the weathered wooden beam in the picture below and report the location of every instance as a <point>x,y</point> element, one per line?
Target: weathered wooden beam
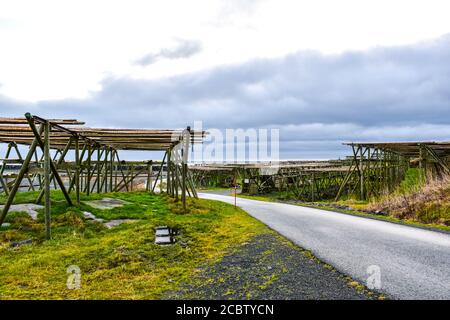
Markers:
<point>55,121</point>
<point>111,163</point>
<point>47,179</point>
<point>149,176</point>
<point>77,170</point>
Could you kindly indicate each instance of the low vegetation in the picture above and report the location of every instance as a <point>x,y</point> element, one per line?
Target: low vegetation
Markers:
<point>122,262</point>
<point>427,203</point>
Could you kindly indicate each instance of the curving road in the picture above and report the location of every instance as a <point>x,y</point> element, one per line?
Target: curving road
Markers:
<point>413,263</point>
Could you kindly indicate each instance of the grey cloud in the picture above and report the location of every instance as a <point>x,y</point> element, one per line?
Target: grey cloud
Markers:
<point>184,49</point>
<point>398,93</point>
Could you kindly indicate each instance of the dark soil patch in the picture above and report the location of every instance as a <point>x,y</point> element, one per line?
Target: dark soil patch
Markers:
<point>270,267</point>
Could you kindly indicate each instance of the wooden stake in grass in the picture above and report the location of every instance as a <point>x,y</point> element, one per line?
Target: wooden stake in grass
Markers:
<point>47,177</point>
<point>77,170</point>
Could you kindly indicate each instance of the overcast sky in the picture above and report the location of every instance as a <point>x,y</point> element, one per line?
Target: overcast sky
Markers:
<point>323,72</point>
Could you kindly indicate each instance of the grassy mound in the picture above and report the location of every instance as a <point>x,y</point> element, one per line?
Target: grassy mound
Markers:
<point>122,262</point>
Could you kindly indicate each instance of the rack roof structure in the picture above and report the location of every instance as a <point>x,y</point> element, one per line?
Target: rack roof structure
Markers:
<point>408,149</point>
<point>18,130</point>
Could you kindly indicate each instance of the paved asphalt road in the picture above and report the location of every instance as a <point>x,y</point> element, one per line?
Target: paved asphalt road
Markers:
<point>413,263</point>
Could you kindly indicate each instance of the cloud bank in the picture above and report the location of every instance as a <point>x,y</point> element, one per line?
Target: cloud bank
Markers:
<point>318,101</point>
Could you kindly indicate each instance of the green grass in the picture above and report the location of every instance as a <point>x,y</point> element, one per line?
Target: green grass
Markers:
<point>122,262</point>
<point>411,182</point>
<point>266,198</point>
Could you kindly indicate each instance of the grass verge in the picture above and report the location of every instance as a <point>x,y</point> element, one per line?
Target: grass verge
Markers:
<point>122,262</point>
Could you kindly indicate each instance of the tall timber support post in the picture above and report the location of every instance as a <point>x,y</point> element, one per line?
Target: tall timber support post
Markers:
<point>96,164</point>
<point>179,179</point>
<point>185,157</point>
<point>47,160</point>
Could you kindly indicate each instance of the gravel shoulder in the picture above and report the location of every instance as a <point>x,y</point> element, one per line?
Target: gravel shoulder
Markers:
<point>271,267</point>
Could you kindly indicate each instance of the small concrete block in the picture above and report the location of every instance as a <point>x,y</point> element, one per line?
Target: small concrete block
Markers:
<point>106,203</point>
<point>162,232</point>
<point>114,223</point>
<point>164,240</point>
<point>29,208</point>
<point>89,216</point>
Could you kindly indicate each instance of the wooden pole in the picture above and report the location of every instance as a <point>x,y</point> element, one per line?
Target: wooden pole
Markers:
<point>177,175</point>
<point>183,185</point>
<point>98,169</point>
<point>235,191</point>
<point>184,155</point>
<point>115,170</point>
<point>131,175</point>
<point>361,169</point>
<point>169,163</point>
<point>111,164</point>
<point>105,172</point>
<point>368,175</point>
<point>88,178</point>
<point>422,165</point>
<point>53,160</point>
<point>77,170</point>
<point>149,176</point>
<point>47,178</point>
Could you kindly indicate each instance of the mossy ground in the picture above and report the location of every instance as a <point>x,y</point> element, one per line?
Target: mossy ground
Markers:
<point>122,262</point>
